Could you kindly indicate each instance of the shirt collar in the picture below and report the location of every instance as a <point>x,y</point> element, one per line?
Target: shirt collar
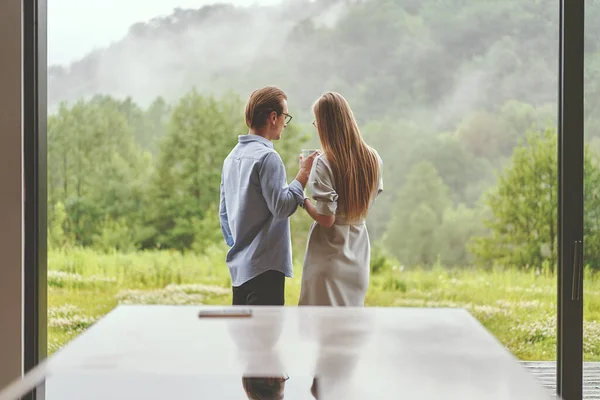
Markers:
<point>255,138</point>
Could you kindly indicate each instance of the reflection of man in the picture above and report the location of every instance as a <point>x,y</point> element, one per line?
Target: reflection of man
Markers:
<point>263,378</point>
<point>269,388</point>
<point>256,203</point>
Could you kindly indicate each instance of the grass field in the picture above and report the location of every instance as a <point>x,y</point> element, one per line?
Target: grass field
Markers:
<point>518,307</point>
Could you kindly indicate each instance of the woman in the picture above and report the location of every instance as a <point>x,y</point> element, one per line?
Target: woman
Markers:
<point>344,181</point>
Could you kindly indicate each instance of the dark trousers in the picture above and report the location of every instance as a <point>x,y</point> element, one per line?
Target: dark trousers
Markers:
<point>266,289</point>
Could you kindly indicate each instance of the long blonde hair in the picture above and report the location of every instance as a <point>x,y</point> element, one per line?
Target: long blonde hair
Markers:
<point>354,164</point>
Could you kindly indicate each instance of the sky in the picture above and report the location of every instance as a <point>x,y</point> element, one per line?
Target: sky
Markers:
<point>75,27</point>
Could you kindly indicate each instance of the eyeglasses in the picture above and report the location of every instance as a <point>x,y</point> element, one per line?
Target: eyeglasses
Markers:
<point>315,124</point>
<point>288,118</point>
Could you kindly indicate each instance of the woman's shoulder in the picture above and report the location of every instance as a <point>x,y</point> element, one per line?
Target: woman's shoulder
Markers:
<point>376,155</point>
<point>321,168</point>
<point>322,159</point>
<point>321,163</point>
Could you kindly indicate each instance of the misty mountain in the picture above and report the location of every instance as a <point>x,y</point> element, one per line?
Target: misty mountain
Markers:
<point>428,61</point>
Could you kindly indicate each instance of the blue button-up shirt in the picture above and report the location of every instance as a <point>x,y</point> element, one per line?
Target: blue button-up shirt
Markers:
<point>256,203</point>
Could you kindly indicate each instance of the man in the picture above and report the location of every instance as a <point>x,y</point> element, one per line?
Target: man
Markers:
<point>256,203</point>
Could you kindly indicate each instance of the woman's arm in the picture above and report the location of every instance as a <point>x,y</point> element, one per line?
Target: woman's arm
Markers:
<point>325,220</point>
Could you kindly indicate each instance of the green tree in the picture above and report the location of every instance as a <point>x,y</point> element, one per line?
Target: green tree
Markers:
<point>186,182</point>
<point>57,238</point>
<point>148,125</point>
<point>456,166</point>
<point>592,209</point>
<point>523,208</point>
<point>396,142</point>
<point>485,134</point>
<point>458,226</point>
<point>93,166</point>
<point>417,214</point>
<point>207,231</point>
<point>157,117</point>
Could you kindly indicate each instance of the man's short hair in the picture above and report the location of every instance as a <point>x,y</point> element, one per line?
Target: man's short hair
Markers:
<point>262,103</point>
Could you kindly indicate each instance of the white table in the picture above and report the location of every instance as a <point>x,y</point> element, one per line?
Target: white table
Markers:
<point>167,352</point>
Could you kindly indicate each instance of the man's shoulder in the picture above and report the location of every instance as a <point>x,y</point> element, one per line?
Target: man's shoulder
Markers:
<point>271,158</point>
<point>251,150</point>
<point>258,159</point>
<point>234,150</point>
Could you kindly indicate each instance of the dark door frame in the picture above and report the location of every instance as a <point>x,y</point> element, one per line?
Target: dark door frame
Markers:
<point>570,201</point>
<point>35,195</point>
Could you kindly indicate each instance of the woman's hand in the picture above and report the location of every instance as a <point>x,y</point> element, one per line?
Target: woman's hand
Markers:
<point>325,220</point>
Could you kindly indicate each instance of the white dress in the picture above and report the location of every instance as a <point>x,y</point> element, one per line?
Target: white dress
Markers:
<point>337,261</point>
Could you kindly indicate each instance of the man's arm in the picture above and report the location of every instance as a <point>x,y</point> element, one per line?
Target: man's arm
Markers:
<point>224,219</point>
<point>282,199</point>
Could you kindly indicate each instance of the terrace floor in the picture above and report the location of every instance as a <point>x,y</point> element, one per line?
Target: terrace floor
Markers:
<point>545,372</point>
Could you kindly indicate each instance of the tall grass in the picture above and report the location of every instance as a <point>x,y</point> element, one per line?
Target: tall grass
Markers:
<point>518,307</point>
<point>142,269</point>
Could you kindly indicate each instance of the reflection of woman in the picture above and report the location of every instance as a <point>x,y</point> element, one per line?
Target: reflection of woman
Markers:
<point>343,181</point>
<point>342,340</point>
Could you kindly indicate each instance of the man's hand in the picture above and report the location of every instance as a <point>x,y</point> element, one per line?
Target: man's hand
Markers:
<point>305,167</point>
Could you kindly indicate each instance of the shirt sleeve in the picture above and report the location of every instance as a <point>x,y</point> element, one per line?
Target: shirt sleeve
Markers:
<point>224,219</point>
<point>282,199</point>
<point>380,185</point>
<point>321,186</point>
